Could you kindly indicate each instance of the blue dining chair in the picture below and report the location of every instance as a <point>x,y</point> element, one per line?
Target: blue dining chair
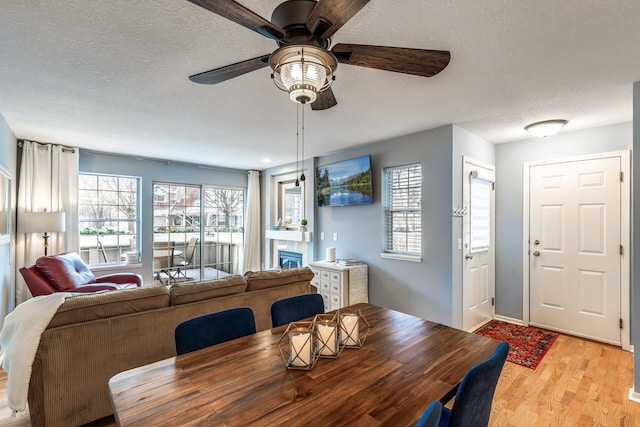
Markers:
<point>431,416</point>
<point>474,396</point>
<point>294,308</point>
<point>214,328</point>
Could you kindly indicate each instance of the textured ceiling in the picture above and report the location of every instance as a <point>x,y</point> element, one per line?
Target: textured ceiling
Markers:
<point>111,75</point>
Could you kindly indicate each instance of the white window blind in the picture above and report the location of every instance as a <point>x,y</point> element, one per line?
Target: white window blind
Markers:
<point>480,213</point>
<point>403,210</point>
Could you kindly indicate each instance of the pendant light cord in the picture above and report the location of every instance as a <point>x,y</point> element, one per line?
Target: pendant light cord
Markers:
<point>297,142</point>
<point>302,177</point>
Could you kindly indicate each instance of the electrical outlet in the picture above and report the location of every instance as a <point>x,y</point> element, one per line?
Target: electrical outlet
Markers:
<point>335,237</point>
<point>322,235</point>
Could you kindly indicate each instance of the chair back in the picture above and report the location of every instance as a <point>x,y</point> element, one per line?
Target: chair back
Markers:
<point>191,248</point>
<point>431,416</point>
<point>163,255</point>
<point>472,406</point>
<point>214,328</point>
<point>294,308</point>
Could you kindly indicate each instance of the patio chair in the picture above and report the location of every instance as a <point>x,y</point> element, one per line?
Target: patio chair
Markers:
<point>214,328</point>
<point>294,308</point>
<point>187,258</point>
<point>163,259</point>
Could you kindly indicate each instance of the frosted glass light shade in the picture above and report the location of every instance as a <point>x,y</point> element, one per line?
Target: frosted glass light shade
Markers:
<point>546,128</point>
<point>43,222</point>
<point>303,72</point>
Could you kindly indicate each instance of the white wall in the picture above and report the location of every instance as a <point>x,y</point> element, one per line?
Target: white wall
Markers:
<point>8,150</point>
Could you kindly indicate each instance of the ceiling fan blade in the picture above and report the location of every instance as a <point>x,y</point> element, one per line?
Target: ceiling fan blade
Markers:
<point>330,15</point>
<point>325,100</point>
<point>241,15</point>
<point>419,62</point>
<point>227,72</point>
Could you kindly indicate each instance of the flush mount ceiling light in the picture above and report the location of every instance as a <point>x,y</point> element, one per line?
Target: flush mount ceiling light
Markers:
<point>303,71</point>
<point>545,128</point>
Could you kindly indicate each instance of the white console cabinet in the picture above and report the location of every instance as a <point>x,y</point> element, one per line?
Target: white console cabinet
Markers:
<point>340,285</point>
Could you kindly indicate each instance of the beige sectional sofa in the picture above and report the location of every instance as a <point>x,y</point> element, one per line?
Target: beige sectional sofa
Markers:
<point>94,336</point>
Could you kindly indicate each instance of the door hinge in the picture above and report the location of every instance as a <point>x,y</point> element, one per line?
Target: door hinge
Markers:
<point>620,323</point>
<point>493,186</point>
<point>621,250</point>
<point>621,176</point>
<point>493,301</point>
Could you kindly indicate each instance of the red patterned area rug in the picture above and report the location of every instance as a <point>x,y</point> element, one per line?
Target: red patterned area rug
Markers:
<point>527,345</point>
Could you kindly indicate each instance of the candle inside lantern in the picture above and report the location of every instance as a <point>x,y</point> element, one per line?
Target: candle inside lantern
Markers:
<point>301,347</point>
<point>327,333</point>
<point>349,333</point>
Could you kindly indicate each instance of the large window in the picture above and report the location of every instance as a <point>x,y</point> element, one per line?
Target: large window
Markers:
<point>108,218</point>
<point>403,210</point>
<point>198,232</point>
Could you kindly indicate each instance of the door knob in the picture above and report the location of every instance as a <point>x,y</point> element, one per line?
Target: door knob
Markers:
<point>536,242</point>
<point>468,257</point>
<point>536,253</point>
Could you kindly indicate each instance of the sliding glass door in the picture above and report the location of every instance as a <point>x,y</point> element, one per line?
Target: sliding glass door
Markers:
<point>198,232</point>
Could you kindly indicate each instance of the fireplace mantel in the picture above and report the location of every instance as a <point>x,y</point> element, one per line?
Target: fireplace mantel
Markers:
<point>288,235</point>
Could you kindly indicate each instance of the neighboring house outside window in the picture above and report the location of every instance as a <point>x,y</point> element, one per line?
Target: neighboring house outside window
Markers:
<point>108,217</point>
<point>402,198</point>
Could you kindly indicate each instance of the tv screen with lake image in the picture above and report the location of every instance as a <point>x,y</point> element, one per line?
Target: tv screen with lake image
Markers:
<point>345,183</point>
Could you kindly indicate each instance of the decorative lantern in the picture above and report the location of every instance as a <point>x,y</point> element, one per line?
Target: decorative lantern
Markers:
<point>297,346</point>
<point>354,329</point>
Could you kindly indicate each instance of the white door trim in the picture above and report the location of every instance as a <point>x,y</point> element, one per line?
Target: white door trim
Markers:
<point>625,235</point>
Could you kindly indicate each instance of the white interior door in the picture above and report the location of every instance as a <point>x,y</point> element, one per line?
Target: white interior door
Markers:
<point>575,247</point>
<point>478,277</point>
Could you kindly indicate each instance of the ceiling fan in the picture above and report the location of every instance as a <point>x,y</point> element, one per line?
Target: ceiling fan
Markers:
<point>303,65</point>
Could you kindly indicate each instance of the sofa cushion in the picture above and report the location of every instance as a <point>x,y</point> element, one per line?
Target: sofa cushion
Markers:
<point>257,280</point>
<point>65,271</point>
<point>185,293</point>
<point>99,305</point>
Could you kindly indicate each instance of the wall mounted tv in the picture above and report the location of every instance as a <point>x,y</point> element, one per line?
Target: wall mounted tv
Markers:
<point>345,183</point>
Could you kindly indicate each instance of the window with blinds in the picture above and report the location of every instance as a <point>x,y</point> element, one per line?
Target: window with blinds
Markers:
<point>480,214</point>
<point>403,210</point>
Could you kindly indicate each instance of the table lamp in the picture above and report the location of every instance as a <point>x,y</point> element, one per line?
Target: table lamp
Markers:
<point>44,222</point>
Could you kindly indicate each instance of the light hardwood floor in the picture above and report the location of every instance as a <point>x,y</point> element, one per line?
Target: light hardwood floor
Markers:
<point>579,383</point>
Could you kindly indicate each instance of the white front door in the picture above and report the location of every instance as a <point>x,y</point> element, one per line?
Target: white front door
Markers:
<point>575,247</point>
<point>478,281</point>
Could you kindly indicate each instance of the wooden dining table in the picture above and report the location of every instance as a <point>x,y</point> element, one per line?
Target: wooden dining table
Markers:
<point>404,364</point>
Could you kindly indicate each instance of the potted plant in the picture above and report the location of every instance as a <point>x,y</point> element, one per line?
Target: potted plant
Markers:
<point>303,224</point>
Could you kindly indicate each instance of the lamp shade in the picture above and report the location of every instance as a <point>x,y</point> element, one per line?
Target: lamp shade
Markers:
<point>43,222</point>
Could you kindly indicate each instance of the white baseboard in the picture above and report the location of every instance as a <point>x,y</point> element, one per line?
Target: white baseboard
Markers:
<point>508,319</point>
<point>634,396</point>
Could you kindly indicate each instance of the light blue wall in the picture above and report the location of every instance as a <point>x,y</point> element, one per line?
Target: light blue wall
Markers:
<point>469,145</point>
<point>510,158</point>
<point>635,242</point>
<point>422,289</point>
<point>151,171</point>
<point>8,150</point>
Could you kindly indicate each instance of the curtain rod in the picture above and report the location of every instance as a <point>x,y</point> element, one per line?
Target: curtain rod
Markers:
<point>64,147</point>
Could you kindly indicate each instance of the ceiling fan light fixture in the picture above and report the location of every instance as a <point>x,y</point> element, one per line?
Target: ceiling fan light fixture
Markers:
<point>303,71</point>
<point>545,128</point>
